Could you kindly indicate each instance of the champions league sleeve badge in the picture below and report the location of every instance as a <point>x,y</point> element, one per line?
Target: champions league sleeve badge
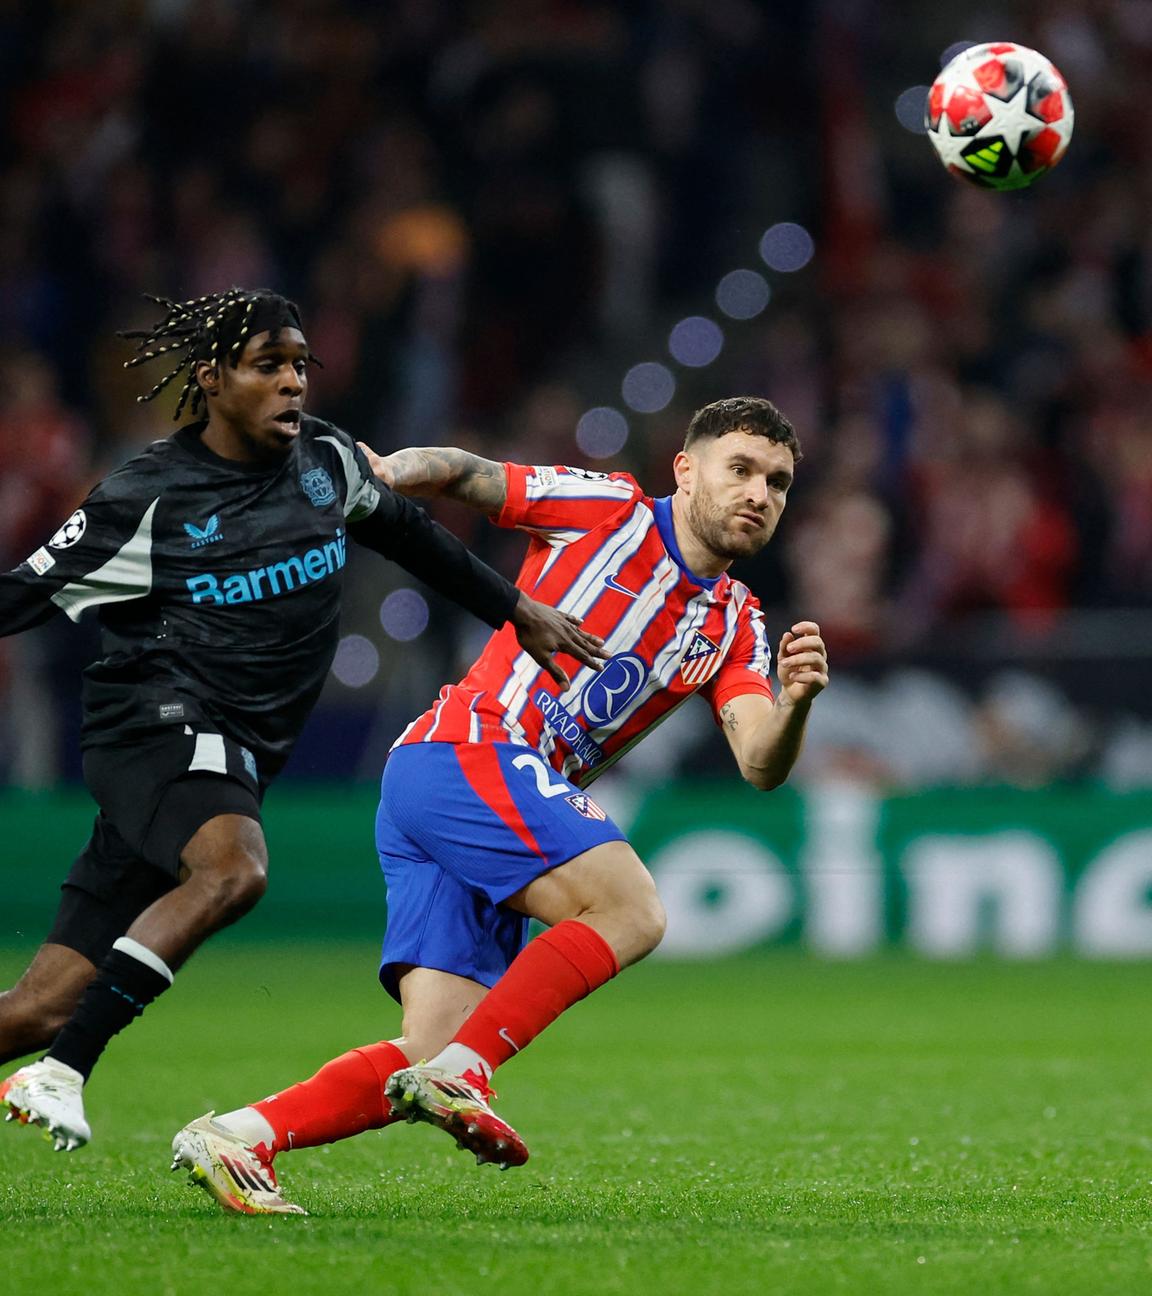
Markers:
<point>70,532</point>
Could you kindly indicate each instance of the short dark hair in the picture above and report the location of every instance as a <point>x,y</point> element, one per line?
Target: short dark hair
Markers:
<point>751,414</point>
<point>213,328</point>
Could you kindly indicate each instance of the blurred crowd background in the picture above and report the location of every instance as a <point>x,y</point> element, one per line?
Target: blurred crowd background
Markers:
<point>548,230</point>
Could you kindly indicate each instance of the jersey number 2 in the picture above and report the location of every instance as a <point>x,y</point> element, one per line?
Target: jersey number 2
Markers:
<point>540,772</point>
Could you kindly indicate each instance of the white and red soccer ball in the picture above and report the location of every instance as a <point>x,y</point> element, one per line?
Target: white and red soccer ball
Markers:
<point>999,115</point>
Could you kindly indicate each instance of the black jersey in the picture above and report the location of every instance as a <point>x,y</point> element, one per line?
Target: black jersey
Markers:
<point>218,583</point>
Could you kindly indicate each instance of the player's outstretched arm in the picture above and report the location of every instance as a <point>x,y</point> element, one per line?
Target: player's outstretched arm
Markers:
<point>766,736</point>
<point>429,471</point>
<point>101,554</point>
<point>544,632</point>
<point>25,601</point>
<point>403,532</point>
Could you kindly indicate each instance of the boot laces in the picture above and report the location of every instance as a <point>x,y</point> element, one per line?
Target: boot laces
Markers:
<point>479,1081</point>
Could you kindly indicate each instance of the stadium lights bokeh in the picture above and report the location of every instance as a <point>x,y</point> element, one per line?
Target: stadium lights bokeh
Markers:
<point>957,47</point>
<point>404,615</point>
<point>743,294</point>
<point>357,661</point>
<point>910,106</point>
<point>696,341</point>
<point>648,388</point>
<point>786,247</point>
<point>602,432</point>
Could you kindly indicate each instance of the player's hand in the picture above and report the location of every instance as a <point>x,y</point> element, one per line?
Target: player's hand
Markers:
<point>802,662</point>
<point>544,630</point>
<point>381,469</point>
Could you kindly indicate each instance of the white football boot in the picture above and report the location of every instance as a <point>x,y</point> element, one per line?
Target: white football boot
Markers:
<point>49,1094</point>
<point>237,1174</point>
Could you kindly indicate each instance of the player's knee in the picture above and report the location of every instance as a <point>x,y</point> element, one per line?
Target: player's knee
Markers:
<point>651,922</point>
<point>636,927</point>
<point>226,863</point>
<point>247,883</point>
<point>237,884</point>
<point>637,919</point>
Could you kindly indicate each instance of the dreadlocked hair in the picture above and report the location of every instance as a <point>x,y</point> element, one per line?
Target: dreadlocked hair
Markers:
<point>211,328</point>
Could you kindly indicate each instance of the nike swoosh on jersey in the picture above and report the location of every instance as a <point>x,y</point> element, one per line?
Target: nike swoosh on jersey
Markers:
<point>613,583</point>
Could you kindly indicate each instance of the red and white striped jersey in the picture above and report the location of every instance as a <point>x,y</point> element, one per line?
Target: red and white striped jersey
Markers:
<point>604,551</point>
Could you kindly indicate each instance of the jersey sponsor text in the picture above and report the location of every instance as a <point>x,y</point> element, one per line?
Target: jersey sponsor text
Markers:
<point>271,581</point>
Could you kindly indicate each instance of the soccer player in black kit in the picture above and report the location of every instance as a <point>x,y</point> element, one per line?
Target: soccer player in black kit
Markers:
<point>214,558</point>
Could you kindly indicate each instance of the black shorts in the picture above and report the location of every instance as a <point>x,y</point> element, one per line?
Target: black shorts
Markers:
<point>154,795</point>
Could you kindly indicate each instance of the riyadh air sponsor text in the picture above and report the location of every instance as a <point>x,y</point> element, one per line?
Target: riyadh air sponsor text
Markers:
<point>566,726</point>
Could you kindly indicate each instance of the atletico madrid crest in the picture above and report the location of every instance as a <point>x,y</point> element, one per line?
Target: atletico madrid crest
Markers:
<point>583,804</point>
<point>701,659</point>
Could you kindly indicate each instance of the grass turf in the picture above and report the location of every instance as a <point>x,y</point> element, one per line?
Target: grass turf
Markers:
<point>766,1124</point>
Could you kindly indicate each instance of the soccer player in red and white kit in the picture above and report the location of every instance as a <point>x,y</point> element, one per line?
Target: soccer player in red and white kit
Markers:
<point>483,819</point>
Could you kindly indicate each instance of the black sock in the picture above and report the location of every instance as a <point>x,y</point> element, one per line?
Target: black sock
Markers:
<point>120,992</point>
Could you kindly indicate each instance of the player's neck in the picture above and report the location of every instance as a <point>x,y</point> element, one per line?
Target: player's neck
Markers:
<point>230,442</point>
<point>698,558</point>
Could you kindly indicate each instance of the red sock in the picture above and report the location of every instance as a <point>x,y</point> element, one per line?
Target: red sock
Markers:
<point>345,1097</point>
<point>550,974</point>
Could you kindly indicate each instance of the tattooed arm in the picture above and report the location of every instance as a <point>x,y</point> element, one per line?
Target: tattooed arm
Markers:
<point>544,632</point>
<point>442,470</point>
<point>765,735</point>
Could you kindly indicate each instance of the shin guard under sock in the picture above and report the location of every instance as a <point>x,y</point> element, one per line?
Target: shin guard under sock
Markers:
<point>554,971</point>
<point>345,1097</point>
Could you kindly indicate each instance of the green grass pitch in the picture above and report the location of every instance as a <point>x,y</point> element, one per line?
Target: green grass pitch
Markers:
<point>765,1124</point>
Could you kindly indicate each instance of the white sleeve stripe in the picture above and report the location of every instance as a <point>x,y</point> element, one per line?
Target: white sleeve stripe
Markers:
<point>515,694</point>
<point>209,755</point>
<point>474,720</point>
<point>360,493</point>
<point>762,656</point>
<point>438,709</point>
<point>126,575</point>
<point>573,489</point>
<point>557,539</point>
<point>407,730</point>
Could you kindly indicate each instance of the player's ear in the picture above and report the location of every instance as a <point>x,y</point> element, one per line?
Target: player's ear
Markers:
<point>208,376</point>
<point>684,466</point>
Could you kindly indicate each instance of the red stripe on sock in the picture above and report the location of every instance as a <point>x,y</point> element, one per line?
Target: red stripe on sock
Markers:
<point>345,1097</point>
<point>559,968</point>
<point>481,768</point>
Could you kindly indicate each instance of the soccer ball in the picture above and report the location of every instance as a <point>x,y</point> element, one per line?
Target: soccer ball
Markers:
<point>999,115</point>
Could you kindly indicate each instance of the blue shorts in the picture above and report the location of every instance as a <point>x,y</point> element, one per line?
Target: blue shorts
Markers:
<point>460,828</point>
